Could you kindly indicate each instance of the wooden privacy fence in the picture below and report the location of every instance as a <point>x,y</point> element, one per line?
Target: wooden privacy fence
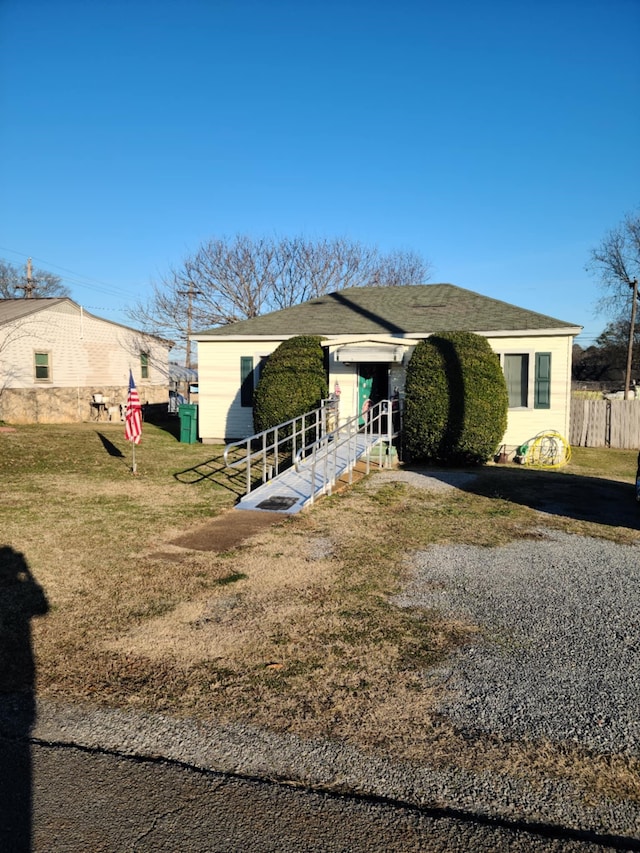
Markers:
<point>605,423</point>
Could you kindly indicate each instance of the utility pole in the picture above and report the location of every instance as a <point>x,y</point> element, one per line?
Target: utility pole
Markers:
<point>632,328</point>
<point>29,284</point>
<point>190,294</point>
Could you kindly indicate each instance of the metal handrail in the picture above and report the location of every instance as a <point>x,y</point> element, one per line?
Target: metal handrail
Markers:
<point>376,430</point>
<point>270,443</point>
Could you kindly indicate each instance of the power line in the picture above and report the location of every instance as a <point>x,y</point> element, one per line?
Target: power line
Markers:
<point>77,279</point>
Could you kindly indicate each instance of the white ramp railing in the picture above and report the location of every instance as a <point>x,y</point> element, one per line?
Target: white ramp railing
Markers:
<point>267,453</point>
<point>336,453</point>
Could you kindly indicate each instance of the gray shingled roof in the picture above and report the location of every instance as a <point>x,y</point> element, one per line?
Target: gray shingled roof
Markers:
<point>408,310</point>
<point>16,309</point>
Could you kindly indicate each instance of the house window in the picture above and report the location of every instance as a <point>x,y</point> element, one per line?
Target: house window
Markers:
<point>246,380</point>
<point>144,365</point>
<point>516,374</point>
<point>42,367</point>
<point>517,367</point>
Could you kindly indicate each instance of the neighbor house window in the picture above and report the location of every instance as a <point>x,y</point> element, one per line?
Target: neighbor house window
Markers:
<point>517,370</point>
<point>246,380</point>
<point>42,367</point>
<point>144,365</point>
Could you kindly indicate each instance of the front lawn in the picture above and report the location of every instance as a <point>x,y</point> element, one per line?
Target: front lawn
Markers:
<point>292,629</point>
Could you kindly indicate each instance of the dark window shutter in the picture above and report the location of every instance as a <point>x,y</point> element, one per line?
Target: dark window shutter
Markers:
<point>543,381</point>
<point>246,380</point>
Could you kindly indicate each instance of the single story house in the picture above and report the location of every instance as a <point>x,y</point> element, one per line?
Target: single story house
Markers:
<point>369,334</point>
<point>61,364</point>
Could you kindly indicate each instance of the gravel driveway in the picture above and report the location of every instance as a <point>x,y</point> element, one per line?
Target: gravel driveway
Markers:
<point>559,655</point>
<point>560,622</point>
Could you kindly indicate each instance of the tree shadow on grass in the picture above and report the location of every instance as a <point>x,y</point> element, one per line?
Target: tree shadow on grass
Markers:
<point>21,599</point>
<point>591,499</point>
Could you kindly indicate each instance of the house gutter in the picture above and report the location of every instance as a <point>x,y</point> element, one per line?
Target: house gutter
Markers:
<point>413,336</point>
<point>240,338</point>
<point>529,333</point>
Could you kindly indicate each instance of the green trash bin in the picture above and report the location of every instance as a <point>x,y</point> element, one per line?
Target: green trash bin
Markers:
<point>188,414</point>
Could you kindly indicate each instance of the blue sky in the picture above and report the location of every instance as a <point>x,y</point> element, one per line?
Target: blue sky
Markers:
<point>498,139</point>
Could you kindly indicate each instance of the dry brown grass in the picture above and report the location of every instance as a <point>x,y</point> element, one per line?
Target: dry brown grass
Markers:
<point>294,628</point>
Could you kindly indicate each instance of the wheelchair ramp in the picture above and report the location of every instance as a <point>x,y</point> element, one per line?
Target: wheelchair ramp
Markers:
<point>293,489</point>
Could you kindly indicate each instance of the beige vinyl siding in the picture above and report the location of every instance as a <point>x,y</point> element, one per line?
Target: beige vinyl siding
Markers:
<point>221,417</point>
<point>524,423</point>
<point>87,355</point>
<point>85,350</point>
<point>347,377</point>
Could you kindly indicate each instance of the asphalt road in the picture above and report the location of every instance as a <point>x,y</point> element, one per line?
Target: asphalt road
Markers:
<point>95,802</point>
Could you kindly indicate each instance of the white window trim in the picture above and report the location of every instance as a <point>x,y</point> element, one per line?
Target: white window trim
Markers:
<point>144,366</point>
<point>49,379</point>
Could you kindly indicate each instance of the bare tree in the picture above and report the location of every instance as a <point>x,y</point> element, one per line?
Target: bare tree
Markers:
<point>606,358</point>
<point>402,267</point>
<point>616,262</point>
<point>221,283</point>
<point>227,280</point>
<point>16,283</point>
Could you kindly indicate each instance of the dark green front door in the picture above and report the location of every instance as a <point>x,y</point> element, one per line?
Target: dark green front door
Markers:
<point>365,390</point>
<point>373,385</point>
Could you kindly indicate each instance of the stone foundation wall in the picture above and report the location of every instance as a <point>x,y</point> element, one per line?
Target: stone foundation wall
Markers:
<point>66,405</point>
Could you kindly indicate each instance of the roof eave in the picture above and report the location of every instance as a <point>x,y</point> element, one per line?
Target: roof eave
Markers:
<point>406,336</point>
<point>562,331</point>
<point>239,338</point>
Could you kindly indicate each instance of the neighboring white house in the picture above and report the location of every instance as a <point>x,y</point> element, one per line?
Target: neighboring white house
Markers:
<point>370,333</point>
<point>57,360</point>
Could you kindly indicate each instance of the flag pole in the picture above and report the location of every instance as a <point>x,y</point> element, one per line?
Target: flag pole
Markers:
<point>133,420</point>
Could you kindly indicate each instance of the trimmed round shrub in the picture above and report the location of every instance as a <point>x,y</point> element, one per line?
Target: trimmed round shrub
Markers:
<point>292,382</point>
<point>456,400</point>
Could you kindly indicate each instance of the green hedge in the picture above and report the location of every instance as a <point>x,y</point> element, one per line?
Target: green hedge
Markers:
<point>456,400</point>
<point>292,382</point>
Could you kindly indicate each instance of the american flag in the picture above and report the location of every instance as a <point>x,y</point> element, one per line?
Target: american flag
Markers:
<point>133,415</point>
